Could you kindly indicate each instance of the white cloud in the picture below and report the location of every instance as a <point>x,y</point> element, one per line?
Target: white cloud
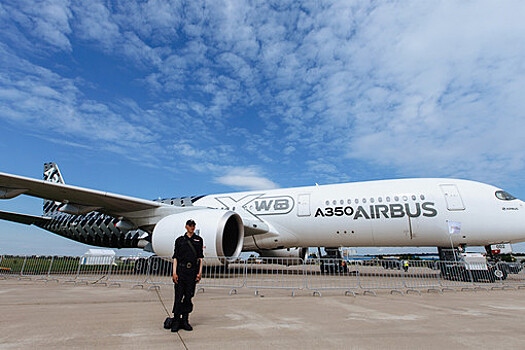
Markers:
<point>418,88</point>
<point>246,179</point>
<point>449,73</point>
<point>414,86</point>
<point>93,22</point>
<point>46,103</point>
<point>46,21</point>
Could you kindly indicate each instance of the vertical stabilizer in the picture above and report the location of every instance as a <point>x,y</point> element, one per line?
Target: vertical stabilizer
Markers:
<point>51,174</point>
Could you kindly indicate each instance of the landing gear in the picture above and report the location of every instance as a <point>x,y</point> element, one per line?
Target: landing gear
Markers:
<point>490,255</point>
<point>498,269</point>
<point>449,254</point>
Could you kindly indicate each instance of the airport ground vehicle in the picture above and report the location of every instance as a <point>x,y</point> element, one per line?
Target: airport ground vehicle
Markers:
<point>329,266</point>
<point>472,267</point>
<point>333,262</point>
<point>513,268</point>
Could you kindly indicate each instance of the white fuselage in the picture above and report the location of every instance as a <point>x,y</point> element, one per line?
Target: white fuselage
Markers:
<point>407,212</point>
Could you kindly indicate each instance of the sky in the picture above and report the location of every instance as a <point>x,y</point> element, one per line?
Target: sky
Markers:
<point>170,98</point>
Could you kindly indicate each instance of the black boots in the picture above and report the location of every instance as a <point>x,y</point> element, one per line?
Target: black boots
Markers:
<point>175,323</point>
<point>185,323</point>
<point>178,323</point>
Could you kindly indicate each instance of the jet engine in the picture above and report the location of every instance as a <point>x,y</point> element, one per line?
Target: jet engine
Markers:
<point>221,230</point>
<point>290,256</point>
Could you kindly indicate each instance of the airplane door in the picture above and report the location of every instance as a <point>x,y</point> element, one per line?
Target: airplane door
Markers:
<point>303,205</point>
<point>414,227</point>
<point>452,197</point>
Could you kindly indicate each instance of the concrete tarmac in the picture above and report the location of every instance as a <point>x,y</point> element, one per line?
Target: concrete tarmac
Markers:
<point>50,315</point>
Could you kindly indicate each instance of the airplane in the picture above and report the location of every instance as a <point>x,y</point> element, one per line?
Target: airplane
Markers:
<point>420,212</point>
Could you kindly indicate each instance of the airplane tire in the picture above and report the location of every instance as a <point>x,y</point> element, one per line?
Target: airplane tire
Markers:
<point>498,274</point>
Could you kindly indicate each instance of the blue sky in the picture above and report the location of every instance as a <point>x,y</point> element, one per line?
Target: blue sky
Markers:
<point>162,98</point>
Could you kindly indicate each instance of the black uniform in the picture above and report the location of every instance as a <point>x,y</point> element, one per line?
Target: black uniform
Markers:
<point>187,270</point>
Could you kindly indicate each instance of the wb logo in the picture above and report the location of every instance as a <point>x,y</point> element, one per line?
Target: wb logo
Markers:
<point>257,204</point>
<point>270,205</point>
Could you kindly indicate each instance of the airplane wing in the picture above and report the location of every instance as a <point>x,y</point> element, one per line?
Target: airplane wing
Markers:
<point>14,185</point>
<point>24,218</point>
<point>78,200</point>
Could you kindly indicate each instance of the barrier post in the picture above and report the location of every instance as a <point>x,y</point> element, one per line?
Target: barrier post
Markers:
<point>50,265</point>
<point>78,269</point>
<point>23,266</point>
<point>1,267</point>
<point>108,275</point>
<point>148,270</point>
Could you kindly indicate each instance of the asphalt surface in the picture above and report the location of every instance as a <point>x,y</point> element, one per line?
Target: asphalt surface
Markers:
<point>51,315</point>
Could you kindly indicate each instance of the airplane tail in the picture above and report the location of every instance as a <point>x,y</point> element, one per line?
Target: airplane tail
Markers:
<point>51,174</point>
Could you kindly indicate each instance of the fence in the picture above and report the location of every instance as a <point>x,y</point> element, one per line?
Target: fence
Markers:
<point>333,274</point>
<point>292,274</point>
<point>274,273</point>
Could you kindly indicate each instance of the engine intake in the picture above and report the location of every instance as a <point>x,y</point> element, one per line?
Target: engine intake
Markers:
<point>221,230</point>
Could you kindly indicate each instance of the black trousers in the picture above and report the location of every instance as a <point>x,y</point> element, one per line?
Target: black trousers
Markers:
<point>184,291</point>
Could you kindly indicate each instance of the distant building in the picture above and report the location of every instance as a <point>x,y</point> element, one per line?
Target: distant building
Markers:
<point>349,252</point>
<point>98,257</point>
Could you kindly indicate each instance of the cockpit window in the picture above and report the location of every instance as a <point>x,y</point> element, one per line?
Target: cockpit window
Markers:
<point>504,196</point>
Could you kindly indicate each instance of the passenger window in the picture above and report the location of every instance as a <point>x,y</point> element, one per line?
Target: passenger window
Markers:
<point>405,198</point>
<point>334,202</point>
<point>364,200</point>
<point>349,201</point>
<point>371,200</point>
<point>341,202</point>
<point>396,198</point>
<point>380,199</point>
<point>388,199</point>
<point>356,201</point>
<point>422,197</point>
<point>327,202</point>
<point>414,197</point>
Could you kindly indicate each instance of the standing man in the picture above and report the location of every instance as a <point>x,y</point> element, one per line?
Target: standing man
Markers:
<point>187,271</point>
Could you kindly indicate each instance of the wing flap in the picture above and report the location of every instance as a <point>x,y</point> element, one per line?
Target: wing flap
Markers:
<point>110,202</point>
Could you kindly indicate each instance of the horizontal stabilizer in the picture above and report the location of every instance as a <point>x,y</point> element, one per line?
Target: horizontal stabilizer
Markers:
<point>23,218</point>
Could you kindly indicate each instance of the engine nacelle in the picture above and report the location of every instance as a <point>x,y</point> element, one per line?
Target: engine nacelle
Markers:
<point>221,230</point>
<point>291,256</point>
